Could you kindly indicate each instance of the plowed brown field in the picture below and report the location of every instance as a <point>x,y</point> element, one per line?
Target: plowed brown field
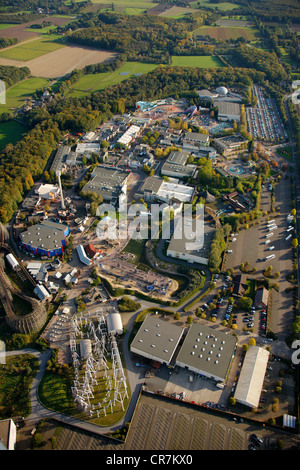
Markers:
<point>58,63</point>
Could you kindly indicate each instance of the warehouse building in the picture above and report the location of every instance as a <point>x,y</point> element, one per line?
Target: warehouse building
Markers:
<point>228,111</point>
<point>156,189</point>
<point>108,182</point>
<point>157,340</point>
<point>178,171</point>
<point>251,378</point>
<point>129,135</point>
<point>206,351</point>
<point>196,139</point>
<point>46,238</point>
<point>190,244</point>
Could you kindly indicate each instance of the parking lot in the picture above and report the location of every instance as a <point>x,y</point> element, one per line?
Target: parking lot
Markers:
<point>264,119</point>
<point>244,249</point>
<point>162,424</point>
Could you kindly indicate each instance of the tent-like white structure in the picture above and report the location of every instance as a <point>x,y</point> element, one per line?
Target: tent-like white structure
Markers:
<point>114,323</point>
<point>252,375</point>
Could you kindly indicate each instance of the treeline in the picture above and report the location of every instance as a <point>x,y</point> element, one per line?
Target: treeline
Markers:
<point>281,11</point>
<point>6,42</point>
<point>11,75</point>
<point>218,246</point>
<point>260,60</point>
<point>23,163</point>
<point>53,6</point>
<point>18,18</point>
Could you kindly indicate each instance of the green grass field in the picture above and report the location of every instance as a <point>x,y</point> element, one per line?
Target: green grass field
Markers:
<point>16,95</point>
<point>32,49</point>
<point>11,132</point>
<point>6,26</point>
<point>96,82</point>
<point>196,61</point>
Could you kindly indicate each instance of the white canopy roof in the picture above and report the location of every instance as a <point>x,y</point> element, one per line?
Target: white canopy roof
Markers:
<point>252,375</point>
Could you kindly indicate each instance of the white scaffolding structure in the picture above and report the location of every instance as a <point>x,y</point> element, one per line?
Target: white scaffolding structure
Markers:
<point>96,367</point>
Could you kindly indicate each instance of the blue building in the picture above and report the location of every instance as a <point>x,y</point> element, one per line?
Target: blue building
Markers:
<point>47,238</point>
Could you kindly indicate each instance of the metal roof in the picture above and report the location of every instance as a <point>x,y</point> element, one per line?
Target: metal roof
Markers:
<point>207,350</point>
<point>157,338</point>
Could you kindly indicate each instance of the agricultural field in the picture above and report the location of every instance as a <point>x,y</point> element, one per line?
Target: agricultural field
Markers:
<point>196,61</point>
<point>32,49</point>
<point>177,12</point>
<point>222,33</point>
<point>23,31</point>
<point>61,61</point>
<point>234,23</point>
<point>11,132</point>
<point>95,82</point>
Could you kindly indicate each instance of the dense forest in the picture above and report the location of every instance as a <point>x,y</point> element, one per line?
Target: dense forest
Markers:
<point>144,38</point>
<point>282,11</point>
<point>258,59</point>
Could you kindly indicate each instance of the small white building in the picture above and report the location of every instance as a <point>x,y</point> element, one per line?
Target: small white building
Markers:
<point>8,434</point>
<point>114,323</point>
<point>85,346</point>
<point>47,191</point>
<point>12,261</point>
<point>41,292</point>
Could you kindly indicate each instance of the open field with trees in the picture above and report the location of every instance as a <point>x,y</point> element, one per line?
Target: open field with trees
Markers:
<point>16,95</point>
<point>96,82</point>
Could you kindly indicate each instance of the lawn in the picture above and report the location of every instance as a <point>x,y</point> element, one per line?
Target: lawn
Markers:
<point>136,247</point>
<point>10,132</point>
<point>32,49</point>
<point>16,95</point>
<point>95,82</point>
<point>196,61</point>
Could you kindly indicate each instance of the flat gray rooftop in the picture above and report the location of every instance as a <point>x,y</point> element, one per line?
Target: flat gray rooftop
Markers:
<point>208,350</point>
<point>158,338</point>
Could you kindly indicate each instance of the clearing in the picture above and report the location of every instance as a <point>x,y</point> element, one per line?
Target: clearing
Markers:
<point>203,61</point>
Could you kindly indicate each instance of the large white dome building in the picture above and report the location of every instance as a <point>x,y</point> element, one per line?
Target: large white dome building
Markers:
<point>222,90</point>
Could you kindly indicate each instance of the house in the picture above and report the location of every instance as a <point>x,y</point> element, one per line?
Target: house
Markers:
<point>261,298</point>
<point>240,285</point>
